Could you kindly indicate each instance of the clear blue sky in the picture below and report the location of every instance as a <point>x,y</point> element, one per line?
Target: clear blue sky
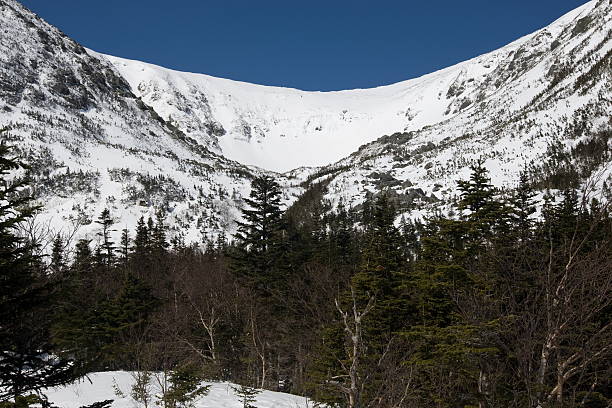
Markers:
<point>307,44</point>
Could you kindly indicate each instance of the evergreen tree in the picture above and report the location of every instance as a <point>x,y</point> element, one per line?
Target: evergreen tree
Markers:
<point>523,207</point>
<point>382,269</point>
<point>124,248</point>
<point>185,387</point>
<point>158,241</point>
<point>454,286</point>
<point>27,362</point>
<point>107,247</point>
<point>142,240</point>
<point>377,288</point>
<point>247,395</point>
<point>57,263</point>
<point>259,235</point>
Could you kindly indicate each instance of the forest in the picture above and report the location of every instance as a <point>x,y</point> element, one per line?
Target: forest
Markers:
<point>502,301</point>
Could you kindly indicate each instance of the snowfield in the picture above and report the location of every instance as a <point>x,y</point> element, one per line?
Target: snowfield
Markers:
<point>100,386</point>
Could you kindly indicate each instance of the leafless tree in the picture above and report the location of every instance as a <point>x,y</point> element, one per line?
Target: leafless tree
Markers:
<point>350,382</point>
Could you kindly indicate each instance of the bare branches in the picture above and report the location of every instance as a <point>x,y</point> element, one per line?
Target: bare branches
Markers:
<point>352,321</point>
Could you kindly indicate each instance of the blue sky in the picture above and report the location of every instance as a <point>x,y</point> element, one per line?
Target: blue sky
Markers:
<point>312,45</point>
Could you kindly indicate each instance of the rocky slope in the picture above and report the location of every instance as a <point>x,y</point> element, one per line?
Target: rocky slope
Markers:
<point>101,131</point>
<point>543,105</point>
<point>93,144</point>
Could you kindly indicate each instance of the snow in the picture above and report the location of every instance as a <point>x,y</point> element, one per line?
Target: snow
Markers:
<point>478,108</point>
<point>280,129</point>
<point>101,386</point>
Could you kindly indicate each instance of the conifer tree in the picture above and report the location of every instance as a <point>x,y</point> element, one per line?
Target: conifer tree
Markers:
<point>107,247</point>
<point>185,387</point>
<point>523,207</point>
<point>124,248</point>
<point>378,310</point>
<point>246,395</point>
<point>142,240</point>
<point>158,241</point>
<point>26,355</point>
<point>382,269</point>
<point>259,234</point>
<point>57,263</point>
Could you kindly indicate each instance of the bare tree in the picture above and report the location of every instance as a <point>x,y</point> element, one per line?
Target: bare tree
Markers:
<point>350,383</point>
<point>575,295</point>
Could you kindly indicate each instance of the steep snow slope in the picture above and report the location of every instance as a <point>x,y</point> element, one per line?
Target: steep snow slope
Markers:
<point>542,108</point>
<point>100,387</point>
<point>93,144</point>
<point>280,129</point>
<point>103,132</point>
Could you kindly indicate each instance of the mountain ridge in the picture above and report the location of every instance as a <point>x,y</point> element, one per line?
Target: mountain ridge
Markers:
<point>102,134</point>
<point>259,125</point>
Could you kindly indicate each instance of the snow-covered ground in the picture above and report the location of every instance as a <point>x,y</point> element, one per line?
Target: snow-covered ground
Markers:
<point>101,386</point>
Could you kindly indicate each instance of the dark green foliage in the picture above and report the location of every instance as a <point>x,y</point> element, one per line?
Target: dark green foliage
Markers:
<point>124,246</point>
<point>453,312</point>
<point>57,263</point>
<point>259,235</point>
<point>246,394</point>
<point>185,387</point>
<point>107,247</point>
<point>380,276</point>
<point>26,294</point>
<point>158,242</point>
<point>98,331</point>
<point>142,240</point>
<point>381,273</point>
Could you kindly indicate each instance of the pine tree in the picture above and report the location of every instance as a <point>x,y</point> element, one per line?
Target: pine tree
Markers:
<point>57,263</point>
<point>107,247</point>
<point>451,338</point>
<point>26,355</point>
<point>158,243</point>
<point>185,387</point>
<point>477,193</point>
<point>124,248</point>
<point>221,244</point>
<point>382,269</point>
<point>523,207</point>
<point>142,240</point>
<point>377,293</point>
<point>247,395</point>
<point>259,235</point>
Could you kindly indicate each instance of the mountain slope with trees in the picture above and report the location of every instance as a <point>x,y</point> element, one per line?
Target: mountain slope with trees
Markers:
<point>102,132</point>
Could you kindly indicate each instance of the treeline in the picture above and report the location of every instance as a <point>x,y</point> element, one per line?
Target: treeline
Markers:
<point>488,306</point>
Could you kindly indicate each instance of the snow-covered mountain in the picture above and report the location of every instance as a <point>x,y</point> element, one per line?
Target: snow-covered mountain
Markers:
<point>102,131</point>
<point>92,144</point>
<point>280,129</point>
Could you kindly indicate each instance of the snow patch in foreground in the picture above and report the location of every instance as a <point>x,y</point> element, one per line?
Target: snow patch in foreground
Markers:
<point>99,387</point>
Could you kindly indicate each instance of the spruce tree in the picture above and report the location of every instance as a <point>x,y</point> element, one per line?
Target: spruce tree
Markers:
<point>246,394</point>
<point>27,358</point>
<point>142,240</point>
<point>106,247</point>
<point>124,247</point>
<point>376,287</point>
<point>185,387</point>
<point>523,206</point>
<point>451,338</point>
<point>158,241</point>
<point>259,235</point>
<point>57,263</point>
